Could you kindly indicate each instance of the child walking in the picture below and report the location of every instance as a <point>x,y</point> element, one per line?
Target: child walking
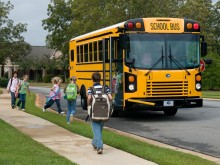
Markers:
<point>23,88</point>
<point>55,95</point>
<point>71,92</point>
<point>12,84</point>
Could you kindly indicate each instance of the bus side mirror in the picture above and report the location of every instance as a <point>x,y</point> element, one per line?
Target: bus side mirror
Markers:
<point>203,49</point>
<point>130,63</point>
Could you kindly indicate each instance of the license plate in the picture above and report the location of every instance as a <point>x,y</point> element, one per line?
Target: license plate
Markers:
<point>168,103</point>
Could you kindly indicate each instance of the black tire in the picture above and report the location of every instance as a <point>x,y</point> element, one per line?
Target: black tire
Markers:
<point>83,98</point>
<point>115,112</point>
<point>170,111</point>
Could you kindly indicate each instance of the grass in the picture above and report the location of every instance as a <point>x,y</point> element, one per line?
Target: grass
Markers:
<point>141,149</point>
<point>211,94</point>
<point>17,148</point>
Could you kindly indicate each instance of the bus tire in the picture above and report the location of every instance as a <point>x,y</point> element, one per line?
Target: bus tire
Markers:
<point>83,98</point>
<point>115,111</point>
<point>170,111</point>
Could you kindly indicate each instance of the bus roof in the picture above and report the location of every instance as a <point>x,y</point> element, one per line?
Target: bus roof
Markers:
<point>96,31</point>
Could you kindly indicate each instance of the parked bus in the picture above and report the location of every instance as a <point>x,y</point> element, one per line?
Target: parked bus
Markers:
<point>148,63</point>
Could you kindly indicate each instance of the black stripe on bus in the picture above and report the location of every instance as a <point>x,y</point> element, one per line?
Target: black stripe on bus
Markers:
<point>90,79</point>
<point>92,70</point>
<point>94,37</point>
<point>90,63</point>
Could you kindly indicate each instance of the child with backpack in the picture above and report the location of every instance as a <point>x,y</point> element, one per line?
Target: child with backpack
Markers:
<point>71,92</point>
<point>55,95</point>
<point>23,88</point>
<point>97,125</point>
<point>12,87</point>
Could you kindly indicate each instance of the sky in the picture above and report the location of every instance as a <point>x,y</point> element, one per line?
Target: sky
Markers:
<point>31,12</point>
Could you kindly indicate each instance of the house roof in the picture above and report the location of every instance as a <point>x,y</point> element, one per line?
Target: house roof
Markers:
<point>41,51</point>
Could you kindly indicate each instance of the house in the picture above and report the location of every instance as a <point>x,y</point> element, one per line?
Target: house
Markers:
<point>36,53</point>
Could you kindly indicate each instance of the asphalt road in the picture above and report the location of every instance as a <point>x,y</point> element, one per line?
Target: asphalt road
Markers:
<point>197,129</point>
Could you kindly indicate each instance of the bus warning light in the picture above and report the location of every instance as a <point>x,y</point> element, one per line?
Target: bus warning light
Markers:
<point>189,26</point>
<point>138,25</point>
<point>196,26</point>
<point>130,25</point>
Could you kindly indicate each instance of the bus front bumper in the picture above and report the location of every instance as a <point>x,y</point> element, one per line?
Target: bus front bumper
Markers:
<point>168,102</point>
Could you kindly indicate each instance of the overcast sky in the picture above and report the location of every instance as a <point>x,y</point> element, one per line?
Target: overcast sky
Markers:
<point>31,12</point>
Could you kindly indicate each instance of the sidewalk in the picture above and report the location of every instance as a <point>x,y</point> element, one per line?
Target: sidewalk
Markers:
<point>76,148</point>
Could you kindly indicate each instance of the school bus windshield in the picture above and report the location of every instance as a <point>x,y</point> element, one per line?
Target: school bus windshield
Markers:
<point>161,51</point>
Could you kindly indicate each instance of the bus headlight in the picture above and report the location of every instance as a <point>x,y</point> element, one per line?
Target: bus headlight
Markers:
<point>198,86</point>
<point>131,87</point>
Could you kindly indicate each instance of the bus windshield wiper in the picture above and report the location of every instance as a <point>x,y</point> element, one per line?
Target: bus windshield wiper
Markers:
<point>161,58</point>
<point>176,61</point>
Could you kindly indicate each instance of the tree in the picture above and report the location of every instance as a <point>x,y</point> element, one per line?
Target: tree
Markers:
<point>12,44</point>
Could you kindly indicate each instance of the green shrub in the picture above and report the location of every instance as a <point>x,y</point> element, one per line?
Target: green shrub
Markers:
<point>3,82</point>
<point>47,78</point>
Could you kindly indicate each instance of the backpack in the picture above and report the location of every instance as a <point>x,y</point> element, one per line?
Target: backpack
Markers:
<point>100,107</point>
<point>71,92</point>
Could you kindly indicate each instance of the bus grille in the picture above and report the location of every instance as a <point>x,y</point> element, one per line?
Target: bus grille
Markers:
<point>169,89</point>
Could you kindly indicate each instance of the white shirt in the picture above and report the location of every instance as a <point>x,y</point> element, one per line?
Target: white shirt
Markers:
<point>12,86</point>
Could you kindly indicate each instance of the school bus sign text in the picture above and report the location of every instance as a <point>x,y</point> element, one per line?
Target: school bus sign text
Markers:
<point>164,27</point>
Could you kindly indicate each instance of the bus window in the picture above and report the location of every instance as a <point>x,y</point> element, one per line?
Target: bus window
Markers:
<point>90,52</point>
<point>100,50</point>
<point>72,55</point>
<point>86,53</point>
<point>81,53</point>
<point>78,55</point>
<point>106,50</point>
<point>95,51</point>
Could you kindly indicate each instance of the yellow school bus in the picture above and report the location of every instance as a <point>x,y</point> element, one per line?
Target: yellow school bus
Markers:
<point>148,63</point>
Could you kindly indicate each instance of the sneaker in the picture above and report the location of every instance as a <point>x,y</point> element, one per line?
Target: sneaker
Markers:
<point>71,117</point>
<point>12,107</point>
<point>99,151</point>
<point>23,109</point>
<point>44,109</point>
<point>62,112</point>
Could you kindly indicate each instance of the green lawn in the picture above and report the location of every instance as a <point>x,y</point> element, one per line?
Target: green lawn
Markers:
<point>19,149</point>
<point>211,94</point>
<point>144,150</point>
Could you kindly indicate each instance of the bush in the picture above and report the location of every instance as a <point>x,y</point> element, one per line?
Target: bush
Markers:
<point>47,78</point>
<point>3,82</point>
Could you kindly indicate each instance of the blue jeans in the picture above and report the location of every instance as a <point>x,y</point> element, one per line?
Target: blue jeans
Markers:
<point>22,99</point>
<point>50,103</point>
<point>71,109</point>
<point>97,134</point>
<point>13,99</point>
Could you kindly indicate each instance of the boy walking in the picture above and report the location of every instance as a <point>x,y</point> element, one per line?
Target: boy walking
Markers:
<point>97,126</point>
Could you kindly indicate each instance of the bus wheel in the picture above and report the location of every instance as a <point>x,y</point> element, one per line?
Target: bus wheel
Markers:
<point>83,99</point>
<point>115,112</point>
<point>170,111</point>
